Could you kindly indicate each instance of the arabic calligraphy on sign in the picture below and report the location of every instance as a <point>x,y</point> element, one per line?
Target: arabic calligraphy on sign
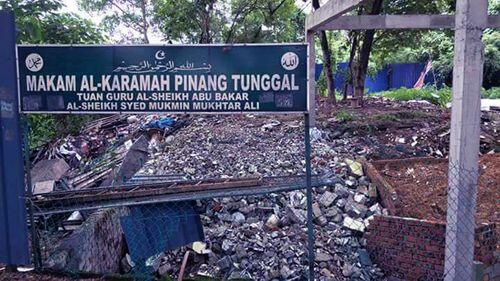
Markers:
<point>290,61</point>
<point>161,65</point>
<point>34,62</point>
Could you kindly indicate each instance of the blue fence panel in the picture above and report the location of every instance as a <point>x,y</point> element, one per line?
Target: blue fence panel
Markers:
<point>390,77</point>
<point>379,82</point>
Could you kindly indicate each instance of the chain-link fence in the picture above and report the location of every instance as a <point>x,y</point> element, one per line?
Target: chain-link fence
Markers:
<point>472,248</point>
<point>366,226</point>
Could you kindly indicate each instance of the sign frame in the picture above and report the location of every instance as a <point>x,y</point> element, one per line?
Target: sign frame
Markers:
<point>307,90</point>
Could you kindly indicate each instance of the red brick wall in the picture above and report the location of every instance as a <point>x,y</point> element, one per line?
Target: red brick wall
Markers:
<point>411,249</point>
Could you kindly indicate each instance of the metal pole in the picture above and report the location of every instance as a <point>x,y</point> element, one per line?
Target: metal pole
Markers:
<point>35,243</point>
<point>310,226</point>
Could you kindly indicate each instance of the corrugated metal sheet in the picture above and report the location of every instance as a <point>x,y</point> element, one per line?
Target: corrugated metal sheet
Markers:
<point>392,76</point>
<point>13,230</point>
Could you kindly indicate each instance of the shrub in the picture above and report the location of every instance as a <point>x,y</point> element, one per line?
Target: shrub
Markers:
<point>438,97</point>
<point>344,116</point>
<point>45,127</point>
<point>493,93</point>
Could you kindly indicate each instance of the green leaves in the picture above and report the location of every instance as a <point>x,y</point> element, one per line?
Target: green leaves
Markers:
<point>235,21</point>
<point>40,21</point>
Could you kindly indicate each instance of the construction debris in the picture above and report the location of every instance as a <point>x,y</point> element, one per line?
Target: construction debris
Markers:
<point>258,237</point>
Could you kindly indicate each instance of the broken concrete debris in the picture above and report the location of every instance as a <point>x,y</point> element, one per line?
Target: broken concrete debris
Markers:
<point>48,170</point>
<point>257,237</point>
<point>262,237</point>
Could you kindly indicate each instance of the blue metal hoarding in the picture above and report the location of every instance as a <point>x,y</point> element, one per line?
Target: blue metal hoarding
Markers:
<point>13,229</point>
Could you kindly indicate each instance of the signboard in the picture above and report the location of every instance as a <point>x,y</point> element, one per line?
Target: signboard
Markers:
<point>167,78</point>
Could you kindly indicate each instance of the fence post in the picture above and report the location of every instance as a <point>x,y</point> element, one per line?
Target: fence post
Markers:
<point>470,20</point>
<point>311,79</point>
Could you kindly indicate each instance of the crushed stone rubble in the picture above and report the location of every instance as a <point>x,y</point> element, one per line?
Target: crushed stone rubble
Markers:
<point>265,237</point>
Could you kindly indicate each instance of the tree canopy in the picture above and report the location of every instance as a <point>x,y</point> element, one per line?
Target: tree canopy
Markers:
<point>41,21</point>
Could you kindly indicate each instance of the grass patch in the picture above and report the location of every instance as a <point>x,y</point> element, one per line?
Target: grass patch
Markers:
<point>385,117</point>
<point>344,116</point>
<point>438,97</point>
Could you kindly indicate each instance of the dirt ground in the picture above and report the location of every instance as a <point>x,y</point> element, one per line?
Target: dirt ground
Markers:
<point>421,189</point>
<point>386,129</point>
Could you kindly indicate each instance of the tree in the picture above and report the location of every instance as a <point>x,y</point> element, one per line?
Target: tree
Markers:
<point>327,59</point>
<point>235,21</point>
<point>130,19</point>
<point>364,51</point>
<point>364,42</point>
<point>421,45</point>
<point>260,21</point>
<point>40,21</point>
<point>186,21</point>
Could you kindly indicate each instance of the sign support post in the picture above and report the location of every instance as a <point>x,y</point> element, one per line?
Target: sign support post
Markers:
<point>35,243</point>
<point>310,226</point>
<point>13,230</point>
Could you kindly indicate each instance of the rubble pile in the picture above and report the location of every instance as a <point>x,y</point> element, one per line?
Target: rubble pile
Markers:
<point>265,237</point>
<point>261,237</point>
<point>384,129</point>
<point>100,148</point>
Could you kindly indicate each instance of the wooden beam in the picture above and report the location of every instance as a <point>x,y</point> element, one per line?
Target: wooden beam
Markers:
<point>330,11</point>
<point>398,22</point>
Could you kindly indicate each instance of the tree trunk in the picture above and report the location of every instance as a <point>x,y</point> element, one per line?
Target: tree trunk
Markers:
<point>205,22</point>
<point>364,55</point>
<point>144,22</point>
<point>327,60</point>
<point>349,79</point>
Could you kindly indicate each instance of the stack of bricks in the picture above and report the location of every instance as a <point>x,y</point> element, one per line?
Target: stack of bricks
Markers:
<point>413,249</point>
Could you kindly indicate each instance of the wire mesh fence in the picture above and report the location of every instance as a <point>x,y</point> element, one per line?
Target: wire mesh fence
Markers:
<point>471,222</point>
<point>167,239</point>
<point>165,226</point>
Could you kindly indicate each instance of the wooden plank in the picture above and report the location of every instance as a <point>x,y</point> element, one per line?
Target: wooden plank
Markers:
<point>366,22</point>
<point>329,11</point>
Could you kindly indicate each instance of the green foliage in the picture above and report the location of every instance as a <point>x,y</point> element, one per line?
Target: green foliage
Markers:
<point>134,15</point>
<point>42,129</point>
<point>491,39</point>
<point>45,127</point>
<point>438,97</point>
<point>408,46</point>
<point>493,93</point>
<point>235,21</point>
<point>42,22</point>
<point>344,116</point>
